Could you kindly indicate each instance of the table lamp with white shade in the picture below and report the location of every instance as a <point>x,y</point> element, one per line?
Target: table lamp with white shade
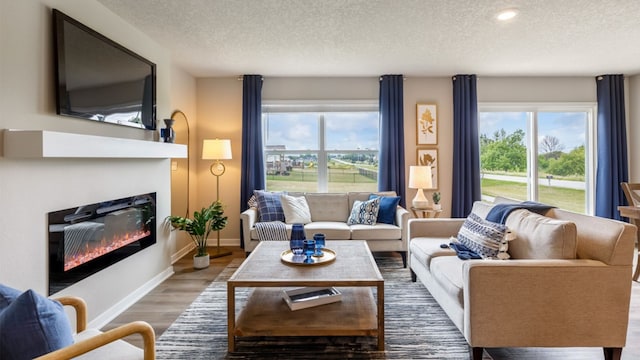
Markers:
<point>217,150</point>
<point>420,178</point>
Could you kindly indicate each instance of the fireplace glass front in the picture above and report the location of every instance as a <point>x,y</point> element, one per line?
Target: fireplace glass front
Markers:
<point>88,238</point>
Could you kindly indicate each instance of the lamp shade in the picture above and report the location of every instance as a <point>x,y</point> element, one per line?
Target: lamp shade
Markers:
<point>217,149</point>
<point>420,177</point>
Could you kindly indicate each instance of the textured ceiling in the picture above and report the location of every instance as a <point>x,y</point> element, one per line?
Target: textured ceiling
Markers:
<point>374,37</point>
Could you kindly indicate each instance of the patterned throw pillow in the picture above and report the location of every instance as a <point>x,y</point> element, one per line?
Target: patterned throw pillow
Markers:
<point>296,209</point>
<point>482,236</point>
<point>252,202</point>
<point>364,212</point>
<point>269,206</point>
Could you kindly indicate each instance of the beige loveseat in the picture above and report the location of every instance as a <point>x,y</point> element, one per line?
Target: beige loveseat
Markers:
<point>567,284</point>
<point>329,214</point>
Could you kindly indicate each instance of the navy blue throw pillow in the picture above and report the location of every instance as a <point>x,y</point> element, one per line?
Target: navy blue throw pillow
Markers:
<point>7,295</point>
<point>388,205</point>
<point>31,326</point>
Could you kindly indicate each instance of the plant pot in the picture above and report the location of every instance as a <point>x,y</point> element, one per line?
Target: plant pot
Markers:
<point>437,207</point>
<point>200,262</point>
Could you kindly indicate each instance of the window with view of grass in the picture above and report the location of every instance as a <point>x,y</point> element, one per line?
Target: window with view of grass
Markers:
<point>538,152</point>
<point>321,147</point>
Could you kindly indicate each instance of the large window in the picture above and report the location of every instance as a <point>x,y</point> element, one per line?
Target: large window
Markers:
<point>321,147</point>
<point>538,152</point>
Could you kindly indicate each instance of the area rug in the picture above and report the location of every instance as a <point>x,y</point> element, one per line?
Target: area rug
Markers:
<point>415,328</point>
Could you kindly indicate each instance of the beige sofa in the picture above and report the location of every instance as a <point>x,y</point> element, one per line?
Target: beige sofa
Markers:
<point>570,286</point>
<point>329,214</point>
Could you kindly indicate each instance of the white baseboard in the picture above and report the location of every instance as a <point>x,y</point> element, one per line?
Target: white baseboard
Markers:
<point>182,252</point>
<point>122,305</point>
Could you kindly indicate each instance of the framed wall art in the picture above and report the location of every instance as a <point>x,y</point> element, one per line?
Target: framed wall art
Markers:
<point>427,124</point>
<point>429,157</point>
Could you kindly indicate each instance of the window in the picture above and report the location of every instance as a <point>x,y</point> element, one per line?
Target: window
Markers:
<point>538,152</point>
<point>321,147</point>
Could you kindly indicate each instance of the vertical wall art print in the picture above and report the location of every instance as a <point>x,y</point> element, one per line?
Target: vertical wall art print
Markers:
<point>429,157</point>
<point>427,124</point>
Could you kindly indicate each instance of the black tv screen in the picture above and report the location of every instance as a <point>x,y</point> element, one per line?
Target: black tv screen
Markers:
<point>100,80</point>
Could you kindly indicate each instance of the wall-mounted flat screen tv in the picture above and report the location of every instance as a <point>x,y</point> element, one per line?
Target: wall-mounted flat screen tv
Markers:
<point>100,80</point>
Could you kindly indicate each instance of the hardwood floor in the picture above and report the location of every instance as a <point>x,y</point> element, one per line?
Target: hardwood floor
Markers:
<point>166,302</point>
<point>162,306</point>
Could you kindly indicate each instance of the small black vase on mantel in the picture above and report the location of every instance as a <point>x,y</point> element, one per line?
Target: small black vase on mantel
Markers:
<point>168,134</point>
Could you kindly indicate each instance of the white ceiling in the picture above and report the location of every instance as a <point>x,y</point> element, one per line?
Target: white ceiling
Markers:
<point>373,37</point>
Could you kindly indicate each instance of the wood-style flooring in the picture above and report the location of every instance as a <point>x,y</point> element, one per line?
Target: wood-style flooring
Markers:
<point>162,306</point>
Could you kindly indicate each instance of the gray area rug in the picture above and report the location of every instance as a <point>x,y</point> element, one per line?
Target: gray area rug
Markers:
<point>415,328</point>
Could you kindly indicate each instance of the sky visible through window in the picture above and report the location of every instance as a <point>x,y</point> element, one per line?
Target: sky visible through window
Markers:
<point>344,131</point>
<point>568,127</point>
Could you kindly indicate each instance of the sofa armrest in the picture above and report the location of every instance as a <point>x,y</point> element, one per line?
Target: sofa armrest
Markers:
<point>545,303</point>
<point>434,227</point>
<point>402,219</point>
<point>248,219</point>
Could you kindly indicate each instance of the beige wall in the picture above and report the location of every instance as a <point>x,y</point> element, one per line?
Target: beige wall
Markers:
<point>219,108</point>
<point>29,189</point>
<point>183,174</point>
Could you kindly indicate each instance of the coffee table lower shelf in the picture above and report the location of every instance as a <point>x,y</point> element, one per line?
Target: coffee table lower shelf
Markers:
<point>266,314</point>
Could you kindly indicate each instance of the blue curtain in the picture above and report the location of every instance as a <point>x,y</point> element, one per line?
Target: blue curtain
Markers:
<point>612,146</point>
<point>391,169</point>
<point>466,146</point>
<point>252,172</point>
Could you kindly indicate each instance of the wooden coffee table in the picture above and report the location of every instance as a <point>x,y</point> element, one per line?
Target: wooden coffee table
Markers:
<point>354,272</point>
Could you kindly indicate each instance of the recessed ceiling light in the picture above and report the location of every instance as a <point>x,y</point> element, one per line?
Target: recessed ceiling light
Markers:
<point>507,14</point>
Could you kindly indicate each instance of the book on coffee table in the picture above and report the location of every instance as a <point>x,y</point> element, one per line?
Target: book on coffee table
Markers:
<point>302,298</point>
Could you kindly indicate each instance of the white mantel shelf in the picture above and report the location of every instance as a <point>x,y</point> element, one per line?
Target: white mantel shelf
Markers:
<point>39,144</point>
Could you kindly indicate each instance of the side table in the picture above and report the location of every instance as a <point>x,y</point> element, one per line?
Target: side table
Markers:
<point>425,213</point>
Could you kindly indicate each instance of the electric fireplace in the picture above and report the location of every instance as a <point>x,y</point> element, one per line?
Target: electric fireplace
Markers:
<point>88,238</point>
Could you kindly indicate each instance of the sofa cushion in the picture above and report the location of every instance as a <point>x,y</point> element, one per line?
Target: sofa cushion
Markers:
<point>296,209</point>
<point>7,295</point>
<point>364,212</point>
<point>426,249</point>
<point>541,237</point>
<point>33,325</point>
<point>118,349</point>
<point>447,271</point>
<point>387,211</point>
<point>328,206</point>
<point>332,230</point>
<point>481,236</point>
<point>269,206</point>
<point>375,232</point>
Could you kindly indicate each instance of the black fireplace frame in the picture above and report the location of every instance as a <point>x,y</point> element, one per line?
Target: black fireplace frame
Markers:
<point>59,279</point>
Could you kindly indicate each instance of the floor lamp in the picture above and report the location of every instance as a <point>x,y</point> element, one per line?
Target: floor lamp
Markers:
<point>217,150</point>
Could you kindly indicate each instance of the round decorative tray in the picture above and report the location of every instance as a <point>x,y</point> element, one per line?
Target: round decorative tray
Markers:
<point>327,257</point>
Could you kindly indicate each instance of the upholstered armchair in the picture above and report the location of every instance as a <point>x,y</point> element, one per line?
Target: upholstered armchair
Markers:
<point>33,326</point>
<point>95,344</point>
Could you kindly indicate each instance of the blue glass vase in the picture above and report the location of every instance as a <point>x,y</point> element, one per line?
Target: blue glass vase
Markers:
<point>297,239</point>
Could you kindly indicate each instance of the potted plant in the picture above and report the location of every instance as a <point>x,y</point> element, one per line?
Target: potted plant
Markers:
<point>436,201</point>
<point>198,228</point>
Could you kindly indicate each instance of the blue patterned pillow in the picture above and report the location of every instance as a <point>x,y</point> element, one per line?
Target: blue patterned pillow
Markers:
<point>388,205</point>
<point>482,236</point>
<point>364,212</point>
<point>269,206</point>
<point>33,325</point>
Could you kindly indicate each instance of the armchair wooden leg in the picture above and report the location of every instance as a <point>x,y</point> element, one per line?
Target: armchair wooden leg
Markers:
<point>414,277</point>
<point>612,353</point>
<point>476,353</point>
